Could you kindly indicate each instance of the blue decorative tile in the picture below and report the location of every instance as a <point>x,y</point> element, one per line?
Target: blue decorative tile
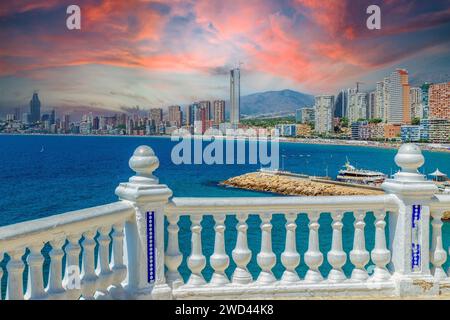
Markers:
<point>150,247</point>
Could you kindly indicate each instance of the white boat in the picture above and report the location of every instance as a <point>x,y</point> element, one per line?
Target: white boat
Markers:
<point>350,174</point>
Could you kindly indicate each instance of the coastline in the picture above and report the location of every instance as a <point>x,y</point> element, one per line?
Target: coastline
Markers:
<point>317,141</point>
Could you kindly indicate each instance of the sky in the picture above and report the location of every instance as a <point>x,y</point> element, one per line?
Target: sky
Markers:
<point>157,53</point>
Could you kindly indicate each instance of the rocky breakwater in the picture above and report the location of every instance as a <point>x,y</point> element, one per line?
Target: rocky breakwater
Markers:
<point>259,181</point>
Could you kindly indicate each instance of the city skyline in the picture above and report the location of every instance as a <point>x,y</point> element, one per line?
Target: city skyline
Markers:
<point>159,54</point>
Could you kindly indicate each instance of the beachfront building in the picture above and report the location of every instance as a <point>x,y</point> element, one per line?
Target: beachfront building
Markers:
<point>286,130</point>
<point>135,242</point>
<point>358,106</point>
<point>410,133</point>
<point>219,111</point>
<point>438,130</point>
<point>415,99</point>
<point>399,110</point>
<point>439,101</point>
<point>323,113</point>
<point>425,105</point>
<point>235,97</point>
<point>307,115</point>
<point>175,116</point>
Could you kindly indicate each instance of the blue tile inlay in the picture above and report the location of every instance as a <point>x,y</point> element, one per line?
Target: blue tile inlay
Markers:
<point>150,246</point>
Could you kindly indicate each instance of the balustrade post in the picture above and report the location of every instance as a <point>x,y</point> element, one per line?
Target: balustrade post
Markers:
<point>380,254</point>
<point>409,225</point>
<point>144,235</point>
<point>55,288</point>
<point>359,256</point>
<point>290,257</point>
<point>438,256</point>
<point>88,276</point>
<point>266,258</point>
<point>15,267</point>
<point>196,260</point>
<point>313,256</point>
<point>104,273</point>
<point>241,253</point>
<point>173,257</point>
<point>71,281</point>
<point>117,266</point>
<point>219,260</point>
<point>336,256</point>
<point>35,286</point>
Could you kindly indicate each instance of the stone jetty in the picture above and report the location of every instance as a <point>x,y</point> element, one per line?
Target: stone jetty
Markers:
<point>260,181</point>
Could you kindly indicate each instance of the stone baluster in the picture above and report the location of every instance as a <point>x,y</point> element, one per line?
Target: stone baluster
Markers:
<point>88,276</point>
<point>313,256</point>
<point>438,256</point>
<point>266,258</point>
<point>359,256</point>
<point>103,271</point>
<point>117,266</point>
<point>173,256</point>
<point>219,260</point>
<point>55,288</point>
<point>71,281</point>
<point>290,257</point>
<point>15,267</point>
<point>196,261</point>
<point>241,253</point>
<point>336,256</point>
<point>35,286</point>
<point>380,254</point>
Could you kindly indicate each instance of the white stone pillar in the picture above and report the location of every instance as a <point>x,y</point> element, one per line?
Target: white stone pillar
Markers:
<point>117,266</point>
<point>88,276</point>
<point>409,226</point>
<point>144,235</point>
<point>313,256</point>
<point>359,256</point>
<point>35,286</point>
<point>55,288</point>
<point>196,261</point>
<point>337,256</point>
<point>290,257</point>
<point>241,253</point>
<point>266,259</point>
<point>173,257</point>
<point>380,254</point>
<point>219,260</point>
<point>15,267</point>
<point>438,255</point>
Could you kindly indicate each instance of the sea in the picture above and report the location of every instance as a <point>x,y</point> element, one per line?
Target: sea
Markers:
<point>43,175</point>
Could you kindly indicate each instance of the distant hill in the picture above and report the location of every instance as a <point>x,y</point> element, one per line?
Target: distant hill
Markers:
<point>274,102</point>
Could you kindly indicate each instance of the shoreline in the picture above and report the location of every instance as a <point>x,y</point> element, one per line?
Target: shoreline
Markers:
<point>319,141</point>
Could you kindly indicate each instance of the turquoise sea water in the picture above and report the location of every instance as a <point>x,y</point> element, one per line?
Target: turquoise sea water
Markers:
<point>75,172</point>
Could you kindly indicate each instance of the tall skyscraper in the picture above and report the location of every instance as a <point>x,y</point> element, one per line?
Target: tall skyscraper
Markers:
<point>379,101</point>
<point>66,123</point>
<point>235,97</point>
<point>175,116</point>
<point>399,111</point>
<point>219,111</point>
<point>439,101</point>
<point>340,108</point>
<point>323,107</point>
<point>206,106</point>
<point>358,105</point>
<point>425,106</point>
<point>415,99</point>
<point>35,108</point>
<point>190,114</point>
<point>156,114</point>
<point>53,117</point>
<point>371,105</point>
<point>17,114</point>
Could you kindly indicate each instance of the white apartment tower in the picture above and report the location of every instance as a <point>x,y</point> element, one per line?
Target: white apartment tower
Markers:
<point>399,111</point>
<point>323,106</point>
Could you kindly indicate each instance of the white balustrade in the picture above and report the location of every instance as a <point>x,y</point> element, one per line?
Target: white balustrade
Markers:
<point>438,255</point>
<point>219,260</point>
<point>196,261</point>
<point>1,275</point>
<point>173,256</point>
<point>55,289</point>
<point>241,253</point>
<point>290,257</point>
<point>117,265</point>
<point>127,272</point>
<point>313,256</point>
<point>380,254</point>
<point>359,256</point>
<point>336,256</point>
<point>88,276</point>
<point>35,286</point>
<point>15,267</point>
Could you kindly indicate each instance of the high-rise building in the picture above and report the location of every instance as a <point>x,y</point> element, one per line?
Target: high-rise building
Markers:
<point>17,114</point>
<point>206,106</point>
<point>235,97</point>
<point>219,111</point>
<point>307,115</point>
<point>66,123</point>
<point>439,101</point>
<point>371,105</point>
<point>156,114</point>
<point>379,101</point>
<point>190,114</point>
<point>425,106</point>
<point>340,108</point>
<point>415,100</point>
<point>52,117</point>
<point>399,111</point>
<point>175,116</point>
<point>35,108</point>
<point>324,112</point>
<point>358,105</point>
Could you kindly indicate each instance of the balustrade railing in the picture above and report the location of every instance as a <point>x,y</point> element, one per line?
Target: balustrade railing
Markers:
<point>119,251</point>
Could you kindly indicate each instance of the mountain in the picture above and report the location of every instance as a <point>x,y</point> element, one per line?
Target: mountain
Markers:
<point>284,101</point>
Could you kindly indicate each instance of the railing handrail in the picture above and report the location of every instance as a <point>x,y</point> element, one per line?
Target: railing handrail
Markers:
<point>232,205</point>
<point>441,202</point>
<point>45,229</point>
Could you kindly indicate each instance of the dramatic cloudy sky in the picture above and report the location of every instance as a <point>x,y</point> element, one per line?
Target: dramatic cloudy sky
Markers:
<point>154,53</point>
